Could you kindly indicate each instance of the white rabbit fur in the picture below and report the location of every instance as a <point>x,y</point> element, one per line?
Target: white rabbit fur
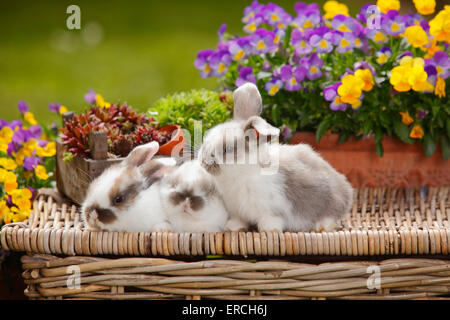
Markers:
<point>125,197</point>
<point>191,201</point>
<point>288,187</point>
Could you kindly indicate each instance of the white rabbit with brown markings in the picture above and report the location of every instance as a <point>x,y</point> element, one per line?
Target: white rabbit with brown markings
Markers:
<point>125,197</point>
<point>273,186</point>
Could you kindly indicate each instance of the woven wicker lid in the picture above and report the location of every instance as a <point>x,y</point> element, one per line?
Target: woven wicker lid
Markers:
<point>383,221</point>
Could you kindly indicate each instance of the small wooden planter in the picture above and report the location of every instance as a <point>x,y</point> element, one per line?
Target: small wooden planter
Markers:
<point>73,178</point>
<point>403,235</point>
<point>402,165</point>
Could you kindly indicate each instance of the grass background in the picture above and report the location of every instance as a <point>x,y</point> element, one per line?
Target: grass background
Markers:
<point>133,51</point>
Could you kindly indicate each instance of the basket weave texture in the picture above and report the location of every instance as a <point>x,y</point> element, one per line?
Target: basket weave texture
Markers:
<point>382,222</point>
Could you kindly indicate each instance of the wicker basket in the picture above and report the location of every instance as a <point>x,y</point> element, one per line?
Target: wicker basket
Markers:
<point>384,225</point>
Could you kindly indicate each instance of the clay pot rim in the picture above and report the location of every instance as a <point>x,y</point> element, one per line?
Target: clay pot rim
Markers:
<point>330,141</point>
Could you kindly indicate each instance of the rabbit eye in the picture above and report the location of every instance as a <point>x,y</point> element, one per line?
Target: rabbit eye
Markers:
<point>118,200</point>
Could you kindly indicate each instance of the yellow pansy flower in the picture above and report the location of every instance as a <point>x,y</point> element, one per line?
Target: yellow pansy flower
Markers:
<point>439,90</point>
<point>22,198</point>
<point>41,173</point>
<point>8,163</point>
<point>406,118</point>
<point>4,211</point>
<point>6,134</point>
<point>29,117</point>
<point>416,36</point>
<point>366,76</point>
<point>101,102</point>
<point>351,89</point>
<point>425,7</point>
<point>333,8</point>
<point>440,25</point>
<point>48,151</point>
<point>63,109</point>
<point>386,5</point>
<point>416,132</point>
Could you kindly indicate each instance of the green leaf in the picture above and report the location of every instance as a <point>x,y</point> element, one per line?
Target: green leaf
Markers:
<point>448,127</point>
<point>429,145</point>
<point>445,145</point>
<point>402,131</point>
<point>379,148</point>
<point>343,137</point>
<point>322,128</point>
<point>276,115</point>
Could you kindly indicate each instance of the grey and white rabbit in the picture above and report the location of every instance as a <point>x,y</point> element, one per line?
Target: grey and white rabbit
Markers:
<point>272,186</point>
<point>191,200</point>
<point>125,197</point>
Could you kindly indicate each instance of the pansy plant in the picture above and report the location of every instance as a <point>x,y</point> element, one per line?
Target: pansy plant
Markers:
<point>378,73</point>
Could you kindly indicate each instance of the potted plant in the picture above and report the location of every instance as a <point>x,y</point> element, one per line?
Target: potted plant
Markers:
<point>376,84</point>
<point>195,111</point>
<point>102,136</point>
<point>27,162</point>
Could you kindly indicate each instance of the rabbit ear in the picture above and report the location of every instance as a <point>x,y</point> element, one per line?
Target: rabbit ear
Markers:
<point>141,154</point>
<point>262,127</point>
<point>247,102</point>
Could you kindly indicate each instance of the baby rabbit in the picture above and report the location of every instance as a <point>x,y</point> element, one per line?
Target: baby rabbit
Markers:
<point>125,197</point>
<point>272,186</point>
<point>191,200</point>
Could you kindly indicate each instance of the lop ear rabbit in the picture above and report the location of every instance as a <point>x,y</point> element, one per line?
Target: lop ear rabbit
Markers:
<point>272,186</point>
<point>125,197</point>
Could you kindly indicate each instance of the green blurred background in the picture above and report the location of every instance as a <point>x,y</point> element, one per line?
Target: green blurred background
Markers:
<point>133,51</point>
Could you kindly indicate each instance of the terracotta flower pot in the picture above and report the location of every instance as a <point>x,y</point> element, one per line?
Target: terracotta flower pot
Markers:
<point>402,165</point>
<point>176,143</point>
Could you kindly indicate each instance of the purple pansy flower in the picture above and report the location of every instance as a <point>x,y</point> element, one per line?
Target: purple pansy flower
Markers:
<point>219,62</point>
<point>323,42</point>
<point>12,147</point>
<point>431,73</point>
<point>393,23</point>
<point>330,94</point>
<point>279,35</point>
<point>203,62</point>
<point>262,41</point>
<point>221,31</point>
<point>441,62</point>
<point>21,135</point>
<point>30,163</point>
<point>308,16</point>
<point>425,25</point>
<point>54,107</point>
<point>275,16</point>
<point>422,114</point>
<point>300,41</point>
<point>383,55</point>
<point>313,64</point>
<point>15,124</point>
<point>245,75</point>
<point>292,78</point>
<point>377,35</point>
<point>90,98</point>
<point>3,123</point>
<point>273,86</point>
<point>240,48</point>
<point>35,131</point>
<point>251,11</point>
<point>344,42</point>
<point>412,19</point>
<point>343,23</point>
<point>22,106</point>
